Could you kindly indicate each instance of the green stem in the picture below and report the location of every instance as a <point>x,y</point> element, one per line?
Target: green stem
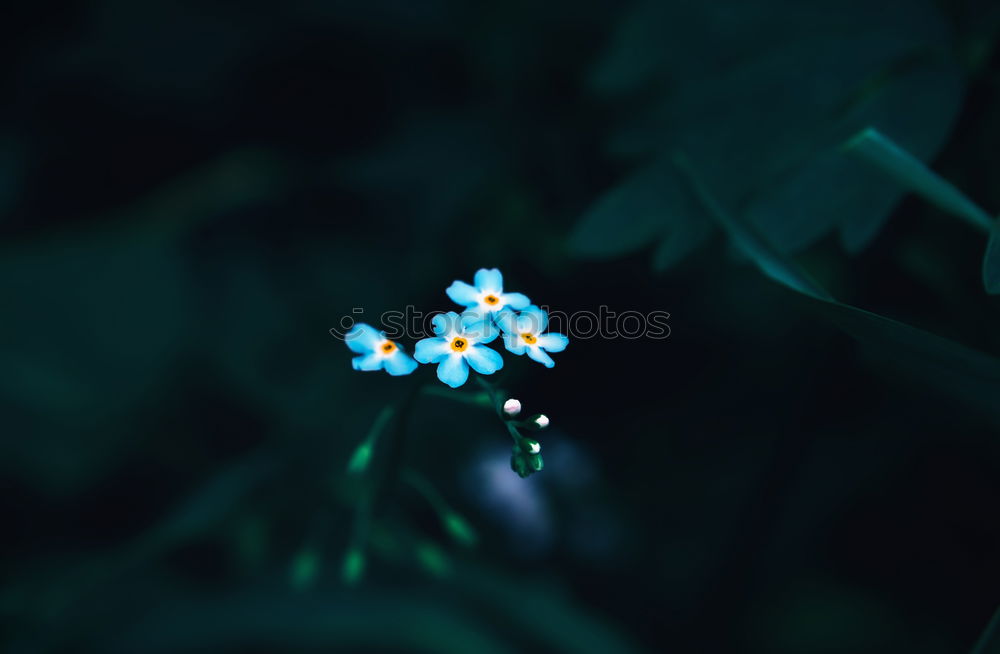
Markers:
<point>397,447</point>
<point>363,453</point>
<point>373,499</point>
<point>494,394</point>
<point>451,521</point>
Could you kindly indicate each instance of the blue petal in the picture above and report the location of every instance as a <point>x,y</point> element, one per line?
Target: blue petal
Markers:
<point>453,370</point>
<point>532,321</point>
<point>367,362</point>
<point>363,338</point>
<point>478,326</point>
<point>553,342</point>
<point>515,300</point>
<point>484,360</point>
<point>514,344</point>
<point>446,323</point>
<point>489,280</point>
<point>539,355</point>
<point>399,363</point>
<point>464,294</point>
<point>471,318</point>
<point>431,350</point>
<point>507,321</point>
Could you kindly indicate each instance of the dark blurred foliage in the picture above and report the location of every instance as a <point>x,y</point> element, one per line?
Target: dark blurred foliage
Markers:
<point>193,193</point>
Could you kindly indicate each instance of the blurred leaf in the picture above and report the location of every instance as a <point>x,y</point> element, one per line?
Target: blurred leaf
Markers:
<point>911,173</point>
<point>771,263</point>
<point>989,642</point>
<point>430,166</point>
<point>432,559</point>
<point>829,190</point>
<point>363,452</point>
<point>361,457</point>
<point>204,508</point>
<point>540,615</point>
<point>823,617</point>
<point>545,613</point>
<point>649,204</point>
<point>966,374</point>
<point>459,529</point>
<point>685,232</point>
<point>349,621</point>
<point>453,524</point>
<point>353,567</point>
<point>62,587</point>
<point>760,106</point>
<point>104,317</point>
<point>991,262</point>
<point>304,568</point>
<point>100,324</point>
<point>242,178</point>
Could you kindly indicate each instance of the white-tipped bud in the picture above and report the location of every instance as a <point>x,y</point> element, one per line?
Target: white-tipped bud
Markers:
<point>542,421</point>
<point>534,447</point>
<point>512,407</point>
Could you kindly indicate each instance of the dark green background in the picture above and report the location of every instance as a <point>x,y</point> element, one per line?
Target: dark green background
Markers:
<point>193,193</point>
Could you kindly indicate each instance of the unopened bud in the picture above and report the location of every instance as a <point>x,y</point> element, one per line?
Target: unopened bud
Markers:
<point>541,420</point>
<point>512,407</point>
<point>519,465</point>
<point>532,446</point>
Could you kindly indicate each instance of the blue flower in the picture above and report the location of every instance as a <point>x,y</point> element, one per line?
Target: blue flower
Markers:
<point>523,333</point>
<point>458,345</point>
<point>377,351</point>
<point>487,295</point>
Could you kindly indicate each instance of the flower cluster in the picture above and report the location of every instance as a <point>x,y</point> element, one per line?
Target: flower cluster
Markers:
<point>460,340</point>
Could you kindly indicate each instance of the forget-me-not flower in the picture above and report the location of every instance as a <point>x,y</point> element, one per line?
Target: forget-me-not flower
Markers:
<point>523,333</point>
<point>459,344</point>
<point>377,351</point>
<point>487,295</point>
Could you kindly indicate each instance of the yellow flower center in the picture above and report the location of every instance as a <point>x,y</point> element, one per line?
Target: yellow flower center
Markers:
<point>459,344</point>
<point>388,347</point>
<point>491,299</point>
<point>529,338</point>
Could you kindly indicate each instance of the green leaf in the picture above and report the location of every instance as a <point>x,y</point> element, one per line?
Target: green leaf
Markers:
<point>771,263</point>
<point>989,642</point>
<point>761,109</point>
<point>968,375</point>
<point>649,204</point>
<point>830,190</point>
<point>911,173</point>
<point>991,262</point>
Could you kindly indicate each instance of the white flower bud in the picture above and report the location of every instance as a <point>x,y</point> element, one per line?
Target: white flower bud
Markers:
<point>542,421</point>
<point>512,407</point>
